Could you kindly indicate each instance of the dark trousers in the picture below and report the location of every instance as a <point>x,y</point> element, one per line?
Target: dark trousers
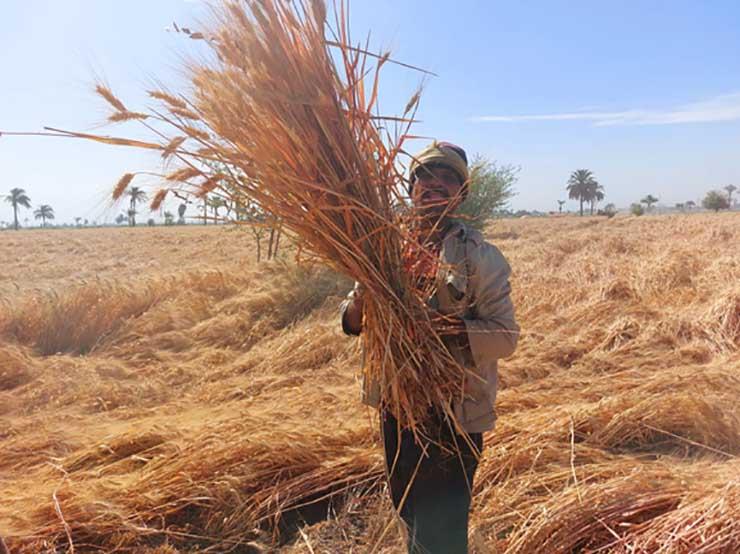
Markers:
<point>431,483</point>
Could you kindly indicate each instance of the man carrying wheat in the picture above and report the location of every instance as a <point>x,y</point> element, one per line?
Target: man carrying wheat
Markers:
<point>430,483</point>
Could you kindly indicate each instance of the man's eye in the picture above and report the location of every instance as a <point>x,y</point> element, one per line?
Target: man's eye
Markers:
<point>449,179</point>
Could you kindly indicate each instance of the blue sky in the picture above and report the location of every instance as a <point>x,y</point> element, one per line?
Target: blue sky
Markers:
<point>645,94</point>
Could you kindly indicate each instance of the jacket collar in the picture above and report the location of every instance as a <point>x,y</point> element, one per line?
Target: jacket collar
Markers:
<point>462,232</point>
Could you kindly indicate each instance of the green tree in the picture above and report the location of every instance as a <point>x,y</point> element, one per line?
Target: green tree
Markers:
<point>244,210</point>
<point>637,209</point>
<point>136,195</point>
<point>610,210</point>
<point>581,185</point>
<point>181,209</point>
<point>690,205</point>
<point>169,218</point>
<point>489,189</point>
<point>216,203</point>
<point>715,200</point>
<point>274,241</point>
<point>253,214</point>
<point>120,218</point>
<point>43,213</point>
<point>17,197</point>
<point>649,200</point>
<point>730,189</point>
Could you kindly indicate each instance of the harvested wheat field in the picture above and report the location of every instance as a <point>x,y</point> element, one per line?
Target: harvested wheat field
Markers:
<point>161,392</point>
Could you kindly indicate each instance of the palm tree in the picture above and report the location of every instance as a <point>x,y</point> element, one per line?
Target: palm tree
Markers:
<point>560,206</point>
<point>580,186</point>
<point>730,189</point>
<point>17,197</point>
<point>595,194</point>
<point>136,195</point>
<point>44,212</point>
<point>649,200</point>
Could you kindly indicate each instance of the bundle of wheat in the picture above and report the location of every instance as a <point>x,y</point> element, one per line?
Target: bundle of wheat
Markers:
<point>285,118</point>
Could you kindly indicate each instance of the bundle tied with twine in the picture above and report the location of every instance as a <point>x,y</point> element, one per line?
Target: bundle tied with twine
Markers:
<point>286,115</point>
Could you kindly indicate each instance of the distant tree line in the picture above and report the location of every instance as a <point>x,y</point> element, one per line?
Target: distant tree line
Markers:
<point>714,200</point>
<point>490,188</point>
<point>583,187</point>
<point>18,198</point>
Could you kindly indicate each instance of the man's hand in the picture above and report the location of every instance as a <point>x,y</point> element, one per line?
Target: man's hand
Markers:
<point>352,320</point>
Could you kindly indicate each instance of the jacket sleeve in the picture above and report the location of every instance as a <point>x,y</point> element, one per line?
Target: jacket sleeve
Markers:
<point>343,308</point>
<point>492,331</point>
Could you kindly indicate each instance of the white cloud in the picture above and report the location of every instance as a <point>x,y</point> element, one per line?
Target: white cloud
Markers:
<point>720,108</point>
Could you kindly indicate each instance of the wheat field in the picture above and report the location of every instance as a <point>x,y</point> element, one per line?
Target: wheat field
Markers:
<point>162,392</point>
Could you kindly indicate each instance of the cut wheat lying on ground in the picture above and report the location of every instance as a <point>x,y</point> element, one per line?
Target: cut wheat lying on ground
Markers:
<point>219,408</point>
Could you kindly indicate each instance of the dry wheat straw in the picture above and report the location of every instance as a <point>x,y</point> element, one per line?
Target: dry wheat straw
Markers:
<point>295,128</point>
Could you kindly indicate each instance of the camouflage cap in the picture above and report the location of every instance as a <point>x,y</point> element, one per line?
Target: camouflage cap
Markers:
<point>442,153</point>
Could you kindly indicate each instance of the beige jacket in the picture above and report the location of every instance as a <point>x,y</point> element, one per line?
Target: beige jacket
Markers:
<point>473,280</point>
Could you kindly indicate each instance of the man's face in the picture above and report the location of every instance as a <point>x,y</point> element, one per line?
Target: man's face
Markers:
<point>436,191</point>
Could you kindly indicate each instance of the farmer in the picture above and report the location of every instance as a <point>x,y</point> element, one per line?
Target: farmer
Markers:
<point>431,484</point>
